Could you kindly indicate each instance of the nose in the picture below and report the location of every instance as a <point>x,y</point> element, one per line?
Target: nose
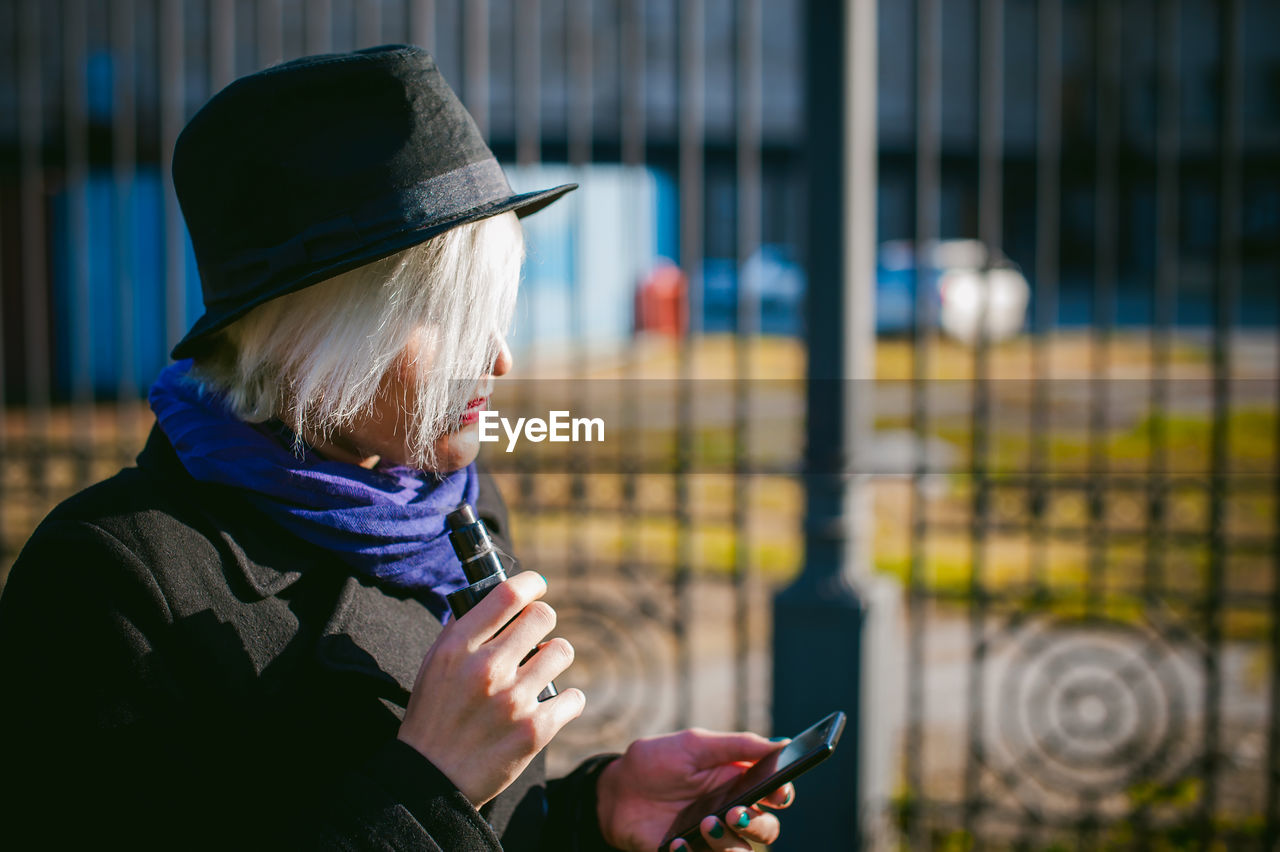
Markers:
<point>502,361</point>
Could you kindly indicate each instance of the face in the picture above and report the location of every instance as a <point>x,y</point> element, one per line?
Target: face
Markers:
<point>380,437</point>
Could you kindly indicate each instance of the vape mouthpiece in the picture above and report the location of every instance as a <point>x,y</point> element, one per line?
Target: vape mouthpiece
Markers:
<point>461,517</point>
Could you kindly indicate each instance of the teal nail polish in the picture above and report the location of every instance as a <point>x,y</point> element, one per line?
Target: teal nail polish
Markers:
<point>777,739</point>
<point>717,830</point>
<point>744,819</point>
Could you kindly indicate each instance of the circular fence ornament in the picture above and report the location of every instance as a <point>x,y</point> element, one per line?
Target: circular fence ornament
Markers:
<point>624,662</point>
<point>1088,710</point>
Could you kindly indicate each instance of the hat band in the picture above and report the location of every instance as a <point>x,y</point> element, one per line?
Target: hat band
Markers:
<point>433,201</point>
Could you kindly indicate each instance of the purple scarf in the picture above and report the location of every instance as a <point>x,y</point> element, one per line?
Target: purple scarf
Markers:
<point>385,523</point>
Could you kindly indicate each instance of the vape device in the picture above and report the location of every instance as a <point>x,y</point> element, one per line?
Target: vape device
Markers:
<point>480,563</point>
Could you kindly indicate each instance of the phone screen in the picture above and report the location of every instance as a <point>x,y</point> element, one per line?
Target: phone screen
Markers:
<point>804,752</point>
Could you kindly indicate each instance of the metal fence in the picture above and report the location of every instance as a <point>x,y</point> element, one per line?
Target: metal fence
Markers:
<point>1081,508</point>
<point>1088,540</point>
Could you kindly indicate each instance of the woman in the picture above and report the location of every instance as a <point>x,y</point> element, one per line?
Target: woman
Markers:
<point>244,639</point>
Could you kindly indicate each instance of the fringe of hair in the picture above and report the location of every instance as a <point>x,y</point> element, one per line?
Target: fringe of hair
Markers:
<point>316,358</point>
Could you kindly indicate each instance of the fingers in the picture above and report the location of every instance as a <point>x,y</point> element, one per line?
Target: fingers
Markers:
<point>526,631</point>
<point>735,834</point>
<point>474,711</point>
<point>502,628</point>
<point>545,719</point>
<point>744,823</point>
<point>720,838</point>
<point>710,749</point>
<point>779,798</point>
<point>546,664</point>
<point>502,604</point>
<point>754,824</point>
<point>563,708</point>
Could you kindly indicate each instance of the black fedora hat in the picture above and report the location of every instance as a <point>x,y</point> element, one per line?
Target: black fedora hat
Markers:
<point>294,174</point>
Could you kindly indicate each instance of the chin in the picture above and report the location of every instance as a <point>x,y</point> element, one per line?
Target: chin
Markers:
<point>457,449</point>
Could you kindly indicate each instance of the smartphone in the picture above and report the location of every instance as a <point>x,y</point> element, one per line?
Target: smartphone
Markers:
<point>805,751</point>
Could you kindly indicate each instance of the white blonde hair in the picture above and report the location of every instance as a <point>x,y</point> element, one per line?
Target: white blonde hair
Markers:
<point>316,358</point>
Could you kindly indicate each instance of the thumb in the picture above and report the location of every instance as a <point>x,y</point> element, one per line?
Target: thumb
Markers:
<point>709,749</point>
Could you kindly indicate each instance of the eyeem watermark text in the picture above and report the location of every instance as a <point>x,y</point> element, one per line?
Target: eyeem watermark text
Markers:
<point>558,428</point>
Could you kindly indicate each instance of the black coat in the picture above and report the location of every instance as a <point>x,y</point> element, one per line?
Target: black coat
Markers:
<point>177,672</point>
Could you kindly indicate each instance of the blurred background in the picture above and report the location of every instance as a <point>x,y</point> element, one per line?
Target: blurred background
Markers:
<point>951,322</point>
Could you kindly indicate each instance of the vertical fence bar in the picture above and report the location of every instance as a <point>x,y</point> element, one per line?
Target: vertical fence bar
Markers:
<point>35,273</point>
<point>528,83</point>
<point>580,130</point>
<point>124,150</point>
<point>368,23</point>
<point>172,79</point>
<point>1106,221</point>
<point>529,34</point>
<point>422,23</point>
<point>632,102</point>
<point>692,135</point>
<point>823,609</point>
<point>581,123</point>
<point>317,18</point>
<point>1048,224</point>
<point>528,128</point>
<point>928,109</point>
<point>1226,291</point>
<point>1271,825</point>
<point>4,435</point>
<point>990,225</point>
<point>76,131</point>
<point>748,97</point>
<point>1168,144</point>
<point>581,82</point>
<point>10,26</point>
<point>222,43</point>
<point>270,33</point>
<point>858,342</point>
<point>991,134</point>
<point>691,183</point>
<point>475,37</point>
<point>1107,45</point>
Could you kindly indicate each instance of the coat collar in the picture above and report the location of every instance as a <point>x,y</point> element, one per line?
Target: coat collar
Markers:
<point>223,510</point>
<point>367,633</point>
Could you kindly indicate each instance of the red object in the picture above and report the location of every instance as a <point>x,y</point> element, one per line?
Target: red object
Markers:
<point>662,301</point>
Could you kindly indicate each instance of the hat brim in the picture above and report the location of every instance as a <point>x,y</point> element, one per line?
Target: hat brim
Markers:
<point>214,320</point>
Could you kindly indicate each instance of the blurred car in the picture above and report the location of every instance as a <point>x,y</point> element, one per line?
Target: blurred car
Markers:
<point>772,280</point>
<point>965,284</point>
<point>968,287</point>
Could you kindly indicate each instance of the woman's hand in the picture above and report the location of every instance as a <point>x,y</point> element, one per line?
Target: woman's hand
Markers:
<point>640,793</point>
<point>474,712</point>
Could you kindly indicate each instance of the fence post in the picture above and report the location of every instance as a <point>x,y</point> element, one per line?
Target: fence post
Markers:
<point>819,621</point>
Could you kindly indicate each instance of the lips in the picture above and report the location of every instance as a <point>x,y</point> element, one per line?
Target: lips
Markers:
<point>472,413</point>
